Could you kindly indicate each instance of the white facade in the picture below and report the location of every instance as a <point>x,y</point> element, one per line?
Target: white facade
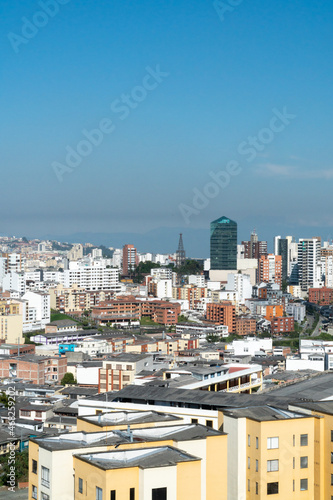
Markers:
<point>163,288</point>
<point>297,311</point>
<point>14,281</point>
<point>308,263</point>
<point>95,277</point>
<point>251,346</point>
<point>197,280</point>
<point>240,283</point>
<point>163,273</point>
<point>39,310</point>
<point>314,362</point>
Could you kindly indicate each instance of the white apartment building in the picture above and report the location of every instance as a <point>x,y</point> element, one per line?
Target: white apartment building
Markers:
<point>197,280</point>
<point>240,283</point>
<point>308,263</point>
<point>37,311</point>
<point>297,311</point>
<point>251,346</point>
<point>163,273</point>
<point>94,276</point>
<point>14,282</point>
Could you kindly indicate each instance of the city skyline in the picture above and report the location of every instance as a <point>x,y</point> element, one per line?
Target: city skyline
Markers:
<point>211,113</point>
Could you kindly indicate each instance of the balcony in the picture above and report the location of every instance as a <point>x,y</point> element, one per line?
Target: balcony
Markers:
<point>244,387</point>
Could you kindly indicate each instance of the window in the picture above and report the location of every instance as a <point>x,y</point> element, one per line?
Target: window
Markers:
<point>272,465</point>
<point>294,440</point>
<point>293,462</point>
<point>272,488</point>
<point>332,436</point>
<point>209,423</point>
<point>99,493</point>
<point>304,439</point>
<point>194,420</point>
<point>248,485</point>
<point>257,488</point>
<point>257,465</point>
<point>304,484</point>
<point>304,462</point>
<point>159,494</point>
<point>331,479</point>
<point>34,466</point>
<point>45,496</point>
<point>248,462</point>
<point>34,492</point>
<point>45,477</point>
<point>272,443</point>
<point>113,495</point>
<point>257,443</point>
<point>293,484</point>
<point>132,494</point>
<point>80,485</point>
<point>248,440</point>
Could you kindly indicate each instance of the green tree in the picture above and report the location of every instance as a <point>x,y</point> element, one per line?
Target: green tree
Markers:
<point>68,379</point>
<point>4,399</point>
<point>21,467</point>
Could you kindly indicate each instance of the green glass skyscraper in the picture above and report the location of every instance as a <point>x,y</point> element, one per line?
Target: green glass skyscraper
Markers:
<point>223,244</point>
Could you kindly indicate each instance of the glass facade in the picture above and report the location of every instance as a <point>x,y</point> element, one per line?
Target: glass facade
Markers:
<point>223,244</point>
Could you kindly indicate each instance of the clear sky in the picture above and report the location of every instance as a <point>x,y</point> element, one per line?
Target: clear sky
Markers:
<point>220,74</point>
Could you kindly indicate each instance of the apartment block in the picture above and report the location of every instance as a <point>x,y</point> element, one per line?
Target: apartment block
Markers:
<point>245,325</point>
<point>36,369</point>
<point>223,314</point>
<point>270,269</point>
<point>322,296</point>
<point>282,324</point>
<point>273,453</point>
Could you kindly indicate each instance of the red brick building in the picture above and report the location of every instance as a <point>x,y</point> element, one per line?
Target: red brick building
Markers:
<point>129,308</point>
<point>282,324</point>
<point>245,326</point>
<point>222,313</point>
<point>322,296</point>
<point>36,369</point>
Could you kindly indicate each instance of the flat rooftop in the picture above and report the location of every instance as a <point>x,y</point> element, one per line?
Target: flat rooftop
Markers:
<point>145,458</point>
<point>128,417</point>
<point>264,413</point>
<point>79,440</point>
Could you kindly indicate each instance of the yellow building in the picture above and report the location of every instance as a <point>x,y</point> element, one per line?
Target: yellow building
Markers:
<point>163,473</point>
<point>188,460</point>
<point>274,453</point>
<point>11,322</point>
<point>119,420</point>
<point>323,409</point>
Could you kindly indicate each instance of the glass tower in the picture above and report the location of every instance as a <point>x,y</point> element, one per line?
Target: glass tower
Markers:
<point>223,244</point>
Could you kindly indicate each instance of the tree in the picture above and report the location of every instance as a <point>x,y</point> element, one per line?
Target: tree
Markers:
<point>4,399</point>
<point>68,379</point>
<point>21,467</point>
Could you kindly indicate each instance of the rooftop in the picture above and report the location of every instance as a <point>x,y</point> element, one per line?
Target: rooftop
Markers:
<point>145,458</point>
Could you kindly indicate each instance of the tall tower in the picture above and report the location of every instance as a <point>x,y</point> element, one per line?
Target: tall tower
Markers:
<point>223,244</point>
<point>180,254</point>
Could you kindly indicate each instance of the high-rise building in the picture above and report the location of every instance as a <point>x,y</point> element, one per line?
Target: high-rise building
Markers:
<point>223,244</point>
<point>308,263</point>
<point>130,259</point>
<point>254,248</point>
<point>283,251</point>
<point>270,269</point>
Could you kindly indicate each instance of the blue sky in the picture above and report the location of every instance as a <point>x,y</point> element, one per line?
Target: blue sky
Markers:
<point>224,79</point>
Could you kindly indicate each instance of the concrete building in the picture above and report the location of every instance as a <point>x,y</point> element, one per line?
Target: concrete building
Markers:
<point>130,259</point>
<point>270,269</point>
<point>273,452</point>
<point>223,314</point>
